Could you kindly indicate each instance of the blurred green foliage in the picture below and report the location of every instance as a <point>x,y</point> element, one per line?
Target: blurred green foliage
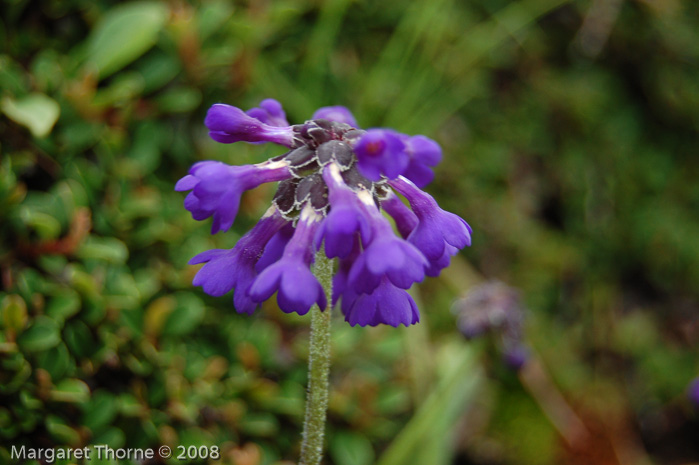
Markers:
<point>570,139</point>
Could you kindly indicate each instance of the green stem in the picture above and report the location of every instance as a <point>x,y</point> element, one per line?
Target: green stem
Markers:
<point>318,369</point>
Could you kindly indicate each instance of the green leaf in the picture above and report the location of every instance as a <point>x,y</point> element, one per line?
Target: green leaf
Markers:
<point>259,424</point>
<point>43,334</point>
<point>179,100</point>
<point>158,70</point>
<point>61,432</point>
<point>425,438</point>
<point>350,448</point>
<point>129,406</point>
<point>56,361</point>
<point>79,339</point>
<point>71,390</point>
<point>212,16</point>
<point>12,76</point>
<point>113,437</point>
<point>108,249</point>
<point>22,372</point>
<point>186,316</point>
<point>63,305</point>
<point>125,33</point>
<point>45,225</point>
<point>14,312</point>
<point>37,112</point>
<point>100,411</point>
<point>5,418</point>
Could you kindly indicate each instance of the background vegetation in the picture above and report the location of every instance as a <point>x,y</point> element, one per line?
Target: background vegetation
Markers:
<point>570,137</point>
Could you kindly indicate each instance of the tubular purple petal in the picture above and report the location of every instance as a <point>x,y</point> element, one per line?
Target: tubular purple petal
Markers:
<point>228,124</point>
<point>346,217</point>
<point>336,113</point>
<point>405,219</point>
<point>340,278</point>
<point>423,153</point>
<point>387,304</point>
<point>187,183</point>
<point>269,112</point>
<point>206,256</point>
<point>216,188</point>
<point>275,247</point>
<point>436,266</point>
<point>381,152</point>
<point>436,227</point>
<point>419,174</point>
<point>385,255</point>
<point>225,270</point>
<point>423,150</point>
<point>297,289</point>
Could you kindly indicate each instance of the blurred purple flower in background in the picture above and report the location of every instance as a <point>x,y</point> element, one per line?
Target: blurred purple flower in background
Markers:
<point>693,392</point>
<point>495,308</point>
<point>333,184</point>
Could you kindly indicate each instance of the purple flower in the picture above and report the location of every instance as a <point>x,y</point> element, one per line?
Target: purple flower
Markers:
<point>226,270</point>
<point>423,153</point>
<point>693,392</point>
<point>216,188</point>
<point>387,304</point>
<point>386,255</point>
<point>405,219</point>
<point>270,112</point>
<point>333,183</point>
<point>496,309</point>
<point>436,228</point>
<point>516,357</point>
<point>381,152</point>
<point>229,124</point>
<point>436,266</point>
<point>337,113</point>
<point>291,278</point>
<point>340,289</point>
<point>345,219</point>
<point>492,306</point>
<point>275,247</point>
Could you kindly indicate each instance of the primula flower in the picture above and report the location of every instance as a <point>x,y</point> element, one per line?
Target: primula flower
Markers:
<point>237,268</point>
<point>217,187</point>
<point>339,114</point>
<point>334,182</point>
<point>297,289</point>
<point>495,308</point>
<point>385,255</point>
<point>387,304</point>
<point>423,153</point>
<point>344,220</point>
<point>270,112</point>
<point>381,152</point>
<point>436,229</point>
<point>229,124</point>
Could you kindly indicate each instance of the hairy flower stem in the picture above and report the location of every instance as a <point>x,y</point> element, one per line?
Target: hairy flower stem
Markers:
<point>318,369</point>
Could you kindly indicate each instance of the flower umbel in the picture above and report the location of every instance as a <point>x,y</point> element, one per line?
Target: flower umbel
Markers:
<point>334,183</point>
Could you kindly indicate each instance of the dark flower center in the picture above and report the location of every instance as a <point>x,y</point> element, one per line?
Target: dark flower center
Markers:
<point>318,143</point>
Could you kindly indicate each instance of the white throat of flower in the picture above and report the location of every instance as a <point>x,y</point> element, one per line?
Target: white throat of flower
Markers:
<point>308,214</point>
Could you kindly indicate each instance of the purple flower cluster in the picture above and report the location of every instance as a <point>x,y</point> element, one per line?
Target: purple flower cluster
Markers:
<point>334,182</point>
<point>496,309</point>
